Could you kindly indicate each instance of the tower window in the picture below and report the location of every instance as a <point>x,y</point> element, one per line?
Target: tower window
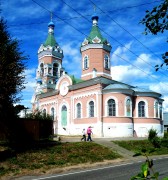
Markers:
<point>41,69</point>
<point>55,70</point>
<point>86,62</point>
<point>106,62</point>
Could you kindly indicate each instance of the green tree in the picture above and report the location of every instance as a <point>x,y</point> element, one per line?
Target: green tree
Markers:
<point>12,66</point>
<point>156,21</point>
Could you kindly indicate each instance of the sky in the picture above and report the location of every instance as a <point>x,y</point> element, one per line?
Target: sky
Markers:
<point>133,56</point>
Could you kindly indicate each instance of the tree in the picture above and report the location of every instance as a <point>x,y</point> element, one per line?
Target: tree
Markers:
<point>12,66</point>
<point>156,21</point>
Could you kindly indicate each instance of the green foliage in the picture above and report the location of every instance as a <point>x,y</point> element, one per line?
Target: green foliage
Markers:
<point>147,171</point>
<point>152,134</point>
<point>53,156</point>
<point>38,115</point>
<point>18,108</point>
<point>153,138</point>
<point>12,66</point>
<point>166,135</point>
<point>157,21</point>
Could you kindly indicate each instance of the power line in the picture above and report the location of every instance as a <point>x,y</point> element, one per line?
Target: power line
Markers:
<point>86,14</point>
<point>108,34</point>
<point>59,17</point>
<point>104,32</point>
<point>130,35</point>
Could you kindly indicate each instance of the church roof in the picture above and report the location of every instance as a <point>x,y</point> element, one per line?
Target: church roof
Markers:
<point>118,86</point>
<point>137,89</point>
<point>50,41</point>
<point>75,80</point>
<point>95,36</point>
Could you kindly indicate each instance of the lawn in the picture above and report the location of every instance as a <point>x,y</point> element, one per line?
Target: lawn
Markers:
<point>54,156</point>
<point>138,146</point>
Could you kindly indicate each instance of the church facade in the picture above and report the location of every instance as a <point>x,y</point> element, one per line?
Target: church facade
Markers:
<point>111,108</point>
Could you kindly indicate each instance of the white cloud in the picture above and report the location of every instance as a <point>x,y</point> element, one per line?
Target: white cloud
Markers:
<point>120,52</point>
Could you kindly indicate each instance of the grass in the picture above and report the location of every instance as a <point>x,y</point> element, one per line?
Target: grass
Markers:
<point>139,146</point>
<point>59,155</point>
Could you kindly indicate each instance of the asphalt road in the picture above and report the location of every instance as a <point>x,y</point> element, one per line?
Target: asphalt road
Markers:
<point>115,172</point>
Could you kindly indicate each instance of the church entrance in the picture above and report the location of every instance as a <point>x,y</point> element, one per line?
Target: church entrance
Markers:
<point>64,116</point>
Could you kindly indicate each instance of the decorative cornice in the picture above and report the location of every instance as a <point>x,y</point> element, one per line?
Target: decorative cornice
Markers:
<point>96,46</point>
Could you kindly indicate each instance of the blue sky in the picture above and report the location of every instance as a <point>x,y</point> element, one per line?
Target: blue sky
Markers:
<point>133,54</point>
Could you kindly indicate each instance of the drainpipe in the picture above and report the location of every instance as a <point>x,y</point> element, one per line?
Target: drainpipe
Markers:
<point>101,105</point>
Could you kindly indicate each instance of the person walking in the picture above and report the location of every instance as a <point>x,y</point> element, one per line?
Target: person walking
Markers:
<point>84,135</point>
<point>89,132</point>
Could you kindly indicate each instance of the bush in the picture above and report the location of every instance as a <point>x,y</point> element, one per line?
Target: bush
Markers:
<point>38,115</point>
<point>166,135</point>
<point>153,138</point>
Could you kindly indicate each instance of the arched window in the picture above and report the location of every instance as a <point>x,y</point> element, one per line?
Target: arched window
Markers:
<point>86,63</point>
<point>106,62</point>
<point>91,109</point>
<point>44,112</point>
<point>128,107</point>
<point>111,107</point>
<point>55,70</point>
<point>52,113</point>
<point>41,69</point>
<point>64,116</point>
<point>78,110</point>
<point>156,109</point>
<point>141,109</point>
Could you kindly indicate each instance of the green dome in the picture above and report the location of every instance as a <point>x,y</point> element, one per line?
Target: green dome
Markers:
<point>95,36</point>
<point>50,41</point>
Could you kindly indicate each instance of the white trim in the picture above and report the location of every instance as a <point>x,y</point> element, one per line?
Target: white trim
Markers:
<point>50,55</point>
<point>83,62</point>
<point>98,73</point>
<point>61,78</point>
<point>97,46</point>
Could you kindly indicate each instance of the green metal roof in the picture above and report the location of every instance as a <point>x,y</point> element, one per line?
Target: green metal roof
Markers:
<point>75,80</point>
<point>50,40</point>
<point>95,33</point>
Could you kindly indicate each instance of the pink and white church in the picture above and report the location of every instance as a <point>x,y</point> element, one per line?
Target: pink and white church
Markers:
<point>111,108</point>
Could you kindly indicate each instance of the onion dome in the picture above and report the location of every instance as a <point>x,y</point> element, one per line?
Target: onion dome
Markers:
<point>95,36</point>
<point>50,46</point>
<point>50,39</point>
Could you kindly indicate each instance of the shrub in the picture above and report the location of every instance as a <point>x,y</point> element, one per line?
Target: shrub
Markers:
<point>38,115</point>
<point>153,138</point>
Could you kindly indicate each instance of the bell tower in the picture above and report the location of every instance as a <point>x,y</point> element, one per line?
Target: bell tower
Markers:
<point>95,52</point>
<point>50,57</point>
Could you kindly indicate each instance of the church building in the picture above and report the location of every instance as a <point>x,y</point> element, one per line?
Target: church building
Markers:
<point>111,108</point>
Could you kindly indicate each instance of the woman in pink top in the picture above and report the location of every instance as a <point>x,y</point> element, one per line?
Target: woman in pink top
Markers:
<point>89,132</point>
